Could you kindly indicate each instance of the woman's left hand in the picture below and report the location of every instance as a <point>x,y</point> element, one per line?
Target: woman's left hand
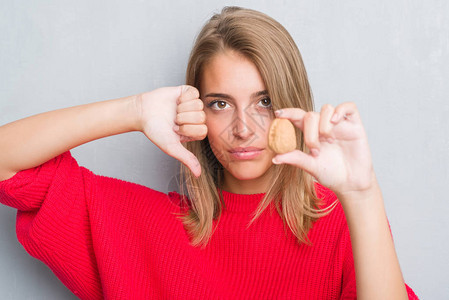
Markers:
<point>339,155</point>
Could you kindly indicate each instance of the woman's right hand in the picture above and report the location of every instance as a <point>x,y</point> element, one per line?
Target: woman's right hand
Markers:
<point>170,116</point>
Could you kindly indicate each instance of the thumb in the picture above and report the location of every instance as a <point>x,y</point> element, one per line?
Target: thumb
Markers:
<point>179,152</point>
<point>298,159</point>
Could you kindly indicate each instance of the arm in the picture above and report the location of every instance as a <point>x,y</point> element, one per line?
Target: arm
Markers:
<point>60,203</point>
<point>340,159</point>
<point>376,265</point>
<point>34,140</point>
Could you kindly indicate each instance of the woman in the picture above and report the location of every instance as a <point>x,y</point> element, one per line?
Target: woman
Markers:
<point>107,238</point>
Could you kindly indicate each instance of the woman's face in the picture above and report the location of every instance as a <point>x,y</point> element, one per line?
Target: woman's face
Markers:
<point>238,115</point>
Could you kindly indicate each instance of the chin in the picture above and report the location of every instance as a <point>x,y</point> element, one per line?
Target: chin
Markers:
<point>247,171</point>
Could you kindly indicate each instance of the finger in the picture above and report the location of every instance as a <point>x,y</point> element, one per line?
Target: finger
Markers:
<point>192,132</point>
<point>345,111</point>
<point>179,152</point>
<point>325,126</point>
<point>298,159</point>
<point>311,137</point>
<point>191,117</point>
<point>192,105</point>
<point>188,93</point>
<point>185,139</point>
<point>295,115</point>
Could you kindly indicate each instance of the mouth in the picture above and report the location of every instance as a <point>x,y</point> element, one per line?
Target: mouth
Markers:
<point>245,153</point>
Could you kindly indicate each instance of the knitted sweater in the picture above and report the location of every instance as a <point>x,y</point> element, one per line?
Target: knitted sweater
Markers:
<point>112,239</point>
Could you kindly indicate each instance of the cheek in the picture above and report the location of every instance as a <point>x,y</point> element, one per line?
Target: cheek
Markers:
<point>215,128</point>
<point>217,134</point>
<point>218,127</point>
<point>263,129</point>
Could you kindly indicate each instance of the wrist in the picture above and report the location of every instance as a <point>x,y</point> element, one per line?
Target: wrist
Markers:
<point>364,183</point>
<point>370,193</point>
<point>365,212</point>
<point>136,112</point>
<point>364,209</point>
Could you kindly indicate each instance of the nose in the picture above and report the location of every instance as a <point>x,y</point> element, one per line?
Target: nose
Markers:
<point>241,128</point>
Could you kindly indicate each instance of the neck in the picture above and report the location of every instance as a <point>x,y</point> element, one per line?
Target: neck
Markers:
<point>249,186</point>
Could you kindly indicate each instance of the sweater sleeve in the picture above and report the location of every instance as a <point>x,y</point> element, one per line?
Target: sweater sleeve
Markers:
<point>53,221</point>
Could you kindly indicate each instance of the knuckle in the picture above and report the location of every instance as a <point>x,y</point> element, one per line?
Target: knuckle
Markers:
<point>178,118</point>
<point>202,116</point>
<point>183,129</point>
<point>190,92</point>
<point>310,115</point>
<point>348,105</point>
<point>322,130</point>
<point>195,92</point>
<point>179,107</point>
<point>310,144</point>
<point>182,94</point>
<point>200,104</point>
<point>325,131</point>
<point>203,131</point>
<point>353,105</point>
<point>186,92</point>
<point>326,106</point>
<point>314,144</point>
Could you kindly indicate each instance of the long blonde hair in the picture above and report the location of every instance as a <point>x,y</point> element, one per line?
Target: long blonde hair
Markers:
<point>270,47</point>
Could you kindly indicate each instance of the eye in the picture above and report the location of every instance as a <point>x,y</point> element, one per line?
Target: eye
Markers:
<point>265,102</point>
<point>217,104</point>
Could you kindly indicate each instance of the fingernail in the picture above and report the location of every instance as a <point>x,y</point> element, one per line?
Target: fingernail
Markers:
<point>275,161</point>
<point>278,112</point>
<point>176,128</point>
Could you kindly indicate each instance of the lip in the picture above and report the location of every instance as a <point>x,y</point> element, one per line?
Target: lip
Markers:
<point>244,153</point>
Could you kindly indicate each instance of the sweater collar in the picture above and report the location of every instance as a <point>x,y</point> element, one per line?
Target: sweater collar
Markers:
<point>240,202</point>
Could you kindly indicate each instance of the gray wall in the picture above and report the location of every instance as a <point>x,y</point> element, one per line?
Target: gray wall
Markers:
<point>390,57</point>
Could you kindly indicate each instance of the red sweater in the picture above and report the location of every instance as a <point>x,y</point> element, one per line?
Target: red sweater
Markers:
<point>108,238</point>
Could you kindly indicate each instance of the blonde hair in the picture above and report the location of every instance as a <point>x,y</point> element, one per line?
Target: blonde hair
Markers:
<point>270,47</point>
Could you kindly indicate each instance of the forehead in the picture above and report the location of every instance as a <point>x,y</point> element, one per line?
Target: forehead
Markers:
<point>232,73</point>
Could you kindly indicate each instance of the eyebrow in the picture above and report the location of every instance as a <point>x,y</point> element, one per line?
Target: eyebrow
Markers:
<point>226,96</point>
